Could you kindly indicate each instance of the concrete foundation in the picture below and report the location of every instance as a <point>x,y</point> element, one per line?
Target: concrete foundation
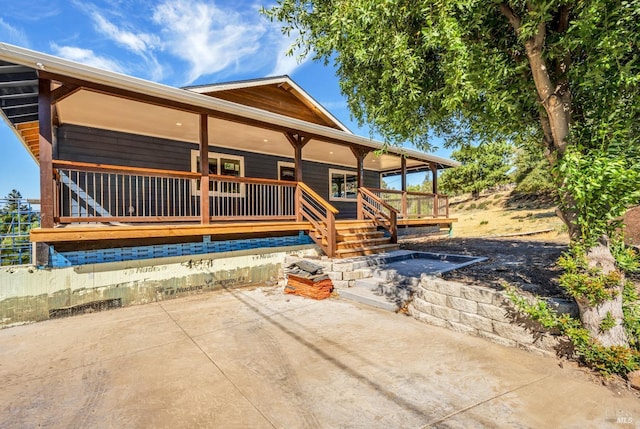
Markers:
<point>28,294</point>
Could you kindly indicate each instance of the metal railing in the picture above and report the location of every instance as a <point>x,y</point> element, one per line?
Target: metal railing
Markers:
<point>17,218</point>
<point>372,207</point>
<point>414,205</point>
<point>320,214</point>
<point>89,193</point>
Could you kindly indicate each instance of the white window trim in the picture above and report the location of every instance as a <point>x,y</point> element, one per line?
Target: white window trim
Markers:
<point>345,172</point>
<point>215,155</point>
<point>285,164</point>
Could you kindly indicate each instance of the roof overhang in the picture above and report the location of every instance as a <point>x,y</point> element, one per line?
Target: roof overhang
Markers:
<point>284,81</point>
<point>99,84</point>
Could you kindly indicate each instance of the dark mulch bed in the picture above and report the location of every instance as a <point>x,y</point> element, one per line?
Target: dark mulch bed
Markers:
<point>527,264</point>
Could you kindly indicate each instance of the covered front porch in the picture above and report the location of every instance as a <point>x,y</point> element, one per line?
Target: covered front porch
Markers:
<point>129,162</point>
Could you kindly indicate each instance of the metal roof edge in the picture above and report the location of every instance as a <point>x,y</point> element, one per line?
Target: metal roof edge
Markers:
<point>52,64</point>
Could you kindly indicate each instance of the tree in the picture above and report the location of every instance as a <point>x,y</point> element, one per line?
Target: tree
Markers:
<point>561,72</point>
<point>483,167</point>
<point>532,174</point>
<point>16,220</point>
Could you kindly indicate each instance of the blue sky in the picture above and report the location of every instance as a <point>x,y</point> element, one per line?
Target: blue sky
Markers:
<point>175,42</point>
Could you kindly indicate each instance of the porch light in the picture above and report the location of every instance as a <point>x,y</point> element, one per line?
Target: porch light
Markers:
<point>179,124</point>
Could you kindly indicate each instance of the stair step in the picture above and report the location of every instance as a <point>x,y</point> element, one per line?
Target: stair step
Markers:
<point>363,243</point>
<point>371,283</point>
<point>354,226</point>
<point>347,236</point>
<point>362,251</point>
<point>369,297</point>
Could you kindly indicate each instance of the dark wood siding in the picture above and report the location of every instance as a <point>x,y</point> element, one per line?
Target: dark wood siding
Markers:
<point>83,144</point>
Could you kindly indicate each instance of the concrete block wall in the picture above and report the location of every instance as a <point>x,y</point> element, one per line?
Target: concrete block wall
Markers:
<point>483,312</point>
<point>342,272</point>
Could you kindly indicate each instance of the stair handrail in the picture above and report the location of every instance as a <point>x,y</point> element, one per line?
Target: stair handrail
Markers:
<point>322,218</point>
<point>371,206</point>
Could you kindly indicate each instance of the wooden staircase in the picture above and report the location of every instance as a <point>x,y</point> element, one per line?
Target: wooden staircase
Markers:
<point>359,238</point>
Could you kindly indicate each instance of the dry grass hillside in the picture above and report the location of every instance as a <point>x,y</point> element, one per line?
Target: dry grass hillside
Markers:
<point>505,214</point>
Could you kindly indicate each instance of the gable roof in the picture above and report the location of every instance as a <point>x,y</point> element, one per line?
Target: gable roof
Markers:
<point>279,94</point>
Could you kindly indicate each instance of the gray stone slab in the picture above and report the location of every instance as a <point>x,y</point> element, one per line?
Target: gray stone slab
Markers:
<point>368,297</point>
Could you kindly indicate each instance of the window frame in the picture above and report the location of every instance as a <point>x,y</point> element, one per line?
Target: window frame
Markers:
<point>286,164</point>
<point>195,156</point>
<point>345,173</point>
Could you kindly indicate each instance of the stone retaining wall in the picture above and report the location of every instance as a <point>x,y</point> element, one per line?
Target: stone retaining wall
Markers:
<point>482,312</point>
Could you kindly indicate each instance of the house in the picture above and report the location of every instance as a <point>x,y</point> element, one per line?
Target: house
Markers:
<point>132,169</point>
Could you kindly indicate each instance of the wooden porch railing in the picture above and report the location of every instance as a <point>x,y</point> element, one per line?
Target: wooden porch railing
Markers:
<point>322,216</point>
<point>370,206</point>
<point>107,193</point>
<point>414,204</point>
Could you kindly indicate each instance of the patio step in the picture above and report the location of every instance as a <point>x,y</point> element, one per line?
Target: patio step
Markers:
<point>369,297</point>
<point>363,251</point>
<point>380,293</point>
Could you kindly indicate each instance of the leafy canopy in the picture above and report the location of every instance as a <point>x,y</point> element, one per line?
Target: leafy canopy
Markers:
<point>483,167</point>
<point>458,68</point>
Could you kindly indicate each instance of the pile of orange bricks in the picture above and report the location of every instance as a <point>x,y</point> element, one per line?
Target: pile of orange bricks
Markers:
<point>309,287</point>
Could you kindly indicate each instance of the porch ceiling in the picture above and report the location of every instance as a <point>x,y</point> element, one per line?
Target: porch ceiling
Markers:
<point>119,114</point>
<point>19,103</point>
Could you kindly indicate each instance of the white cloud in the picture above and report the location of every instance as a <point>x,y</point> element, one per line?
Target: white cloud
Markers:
<point>139,43</point>
<point>88,57</point>
<point>286,64</point>
<point>209,38</point>
<point>12,34</point>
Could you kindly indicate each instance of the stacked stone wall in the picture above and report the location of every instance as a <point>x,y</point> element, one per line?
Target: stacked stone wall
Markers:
<point>483,312</point>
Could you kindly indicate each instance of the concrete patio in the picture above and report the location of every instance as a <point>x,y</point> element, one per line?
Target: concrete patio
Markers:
<point>255,358</point>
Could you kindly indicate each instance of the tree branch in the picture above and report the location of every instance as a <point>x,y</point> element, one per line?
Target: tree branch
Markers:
<point>514,19</point>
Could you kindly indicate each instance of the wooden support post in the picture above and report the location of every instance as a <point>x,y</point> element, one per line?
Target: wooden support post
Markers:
<point>297,141</point>
<point>434,177</point>
<point>360,153</point>
<point>46,167</point>
<point>298,204</point>
<point>403,185</point>
<point>331,235</point>
<point>434,188</point>
<point>393,226</point>
<point>205,211</point>
<point>46,153</point>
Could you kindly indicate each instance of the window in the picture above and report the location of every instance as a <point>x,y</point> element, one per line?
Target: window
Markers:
<point>343,185</point>
<point>223,165</point>
<point>286,171</point>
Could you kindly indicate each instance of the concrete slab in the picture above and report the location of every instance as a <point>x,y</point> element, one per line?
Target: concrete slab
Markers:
<point>258,358</point>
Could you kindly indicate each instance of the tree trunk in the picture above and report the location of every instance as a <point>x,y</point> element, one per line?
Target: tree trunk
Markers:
<point>555,120</point>
<point>600,257</point>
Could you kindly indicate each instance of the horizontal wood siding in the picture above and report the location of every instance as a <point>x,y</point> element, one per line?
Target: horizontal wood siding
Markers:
<point>83,144</point>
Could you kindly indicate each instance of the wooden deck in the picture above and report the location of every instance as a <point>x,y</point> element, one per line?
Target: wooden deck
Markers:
<point>125,232</point>
<point>99,232</point>
<point>427,221</point>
